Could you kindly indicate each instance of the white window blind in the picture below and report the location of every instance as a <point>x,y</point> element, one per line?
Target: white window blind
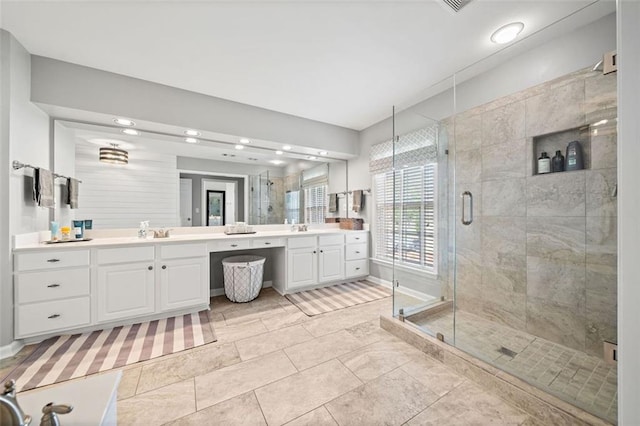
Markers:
<point>315,204</point>
<point>415,198</point>
<point>292,206</point>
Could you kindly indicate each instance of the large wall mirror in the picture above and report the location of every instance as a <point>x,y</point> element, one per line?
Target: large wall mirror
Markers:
<point>171,182</point>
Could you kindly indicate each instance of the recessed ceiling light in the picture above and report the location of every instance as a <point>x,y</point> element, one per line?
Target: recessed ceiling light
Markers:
<point>323,153</point>
<point>244,140</point>
<point>286,147</point>
<point>507,33</point>
<point>124,122</point>
<point>190,132</point>
<point>131,132</point>
<point>276,162</point>
<point>191,140</point>
<point>279,152</point>
<point>311,157</point>
<point>239,146</point>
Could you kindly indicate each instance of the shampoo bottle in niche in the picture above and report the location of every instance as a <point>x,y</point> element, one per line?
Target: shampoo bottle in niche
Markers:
<point>544,163</point>
<point>575,160</point>
<point>557,163</point>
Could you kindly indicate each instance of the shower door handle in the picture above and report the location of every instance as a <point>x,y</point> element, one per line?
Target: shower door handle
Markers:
<point>470,196</point>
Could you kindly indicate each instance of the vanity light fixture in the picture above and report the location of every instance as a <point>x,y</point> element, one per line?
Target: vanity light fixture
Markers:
<point>131,132</point>
<point>323,153</point>
<point>190,132</point>
<point>507,33</point>
<point>124,122</point>
<point>279,152</point>
<point>286,147</point>
<point>191,140</point>
<point>239,146</point>
<point>245,140</point>
<point>114,155</point>
<point>276,162</point>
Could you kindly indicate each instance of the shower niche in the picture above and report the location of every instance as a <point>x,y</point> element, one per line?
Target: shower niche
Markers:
<point>558,141</point>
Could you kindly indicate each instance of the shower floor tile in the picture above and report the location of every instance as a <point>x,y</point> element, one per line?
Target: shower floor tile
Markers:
<point>581,379</point>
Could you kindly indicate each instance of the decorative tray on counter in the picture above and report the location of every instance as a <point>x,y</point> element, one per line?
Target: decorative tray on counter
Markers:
<point>239,233</point>
<point>68,241</point>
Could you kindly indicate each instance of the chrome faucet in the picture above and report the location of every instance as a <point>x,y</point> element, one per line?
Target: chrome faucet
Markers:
<point>50,416</point>
<point>10,412</point>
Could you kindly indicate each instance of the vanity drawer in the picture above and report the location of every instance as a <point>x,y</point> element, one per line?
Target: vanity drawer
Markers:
<point>331,240</point>
<point>356,251</point>
<point>225,245</point>
<point>268,242</point>
<point>48,259</point>
<point>39,318</point>
<point>179,251</point>
<point>357,237</point>
<point>356,268</point>
<point>125,254</point>
<point>301,242</point>
<point>44,286</point>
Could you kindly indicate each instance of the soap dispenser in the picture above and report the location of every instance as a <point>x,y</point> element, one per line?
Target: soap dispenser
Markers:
<point>544,163</point>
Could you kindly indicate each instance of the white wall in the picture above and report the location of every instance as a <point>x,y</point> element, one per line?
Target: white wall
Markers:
<point>628,208</point>
<point>25,137</point>
<point>117,196</point>
<point>73,86</point>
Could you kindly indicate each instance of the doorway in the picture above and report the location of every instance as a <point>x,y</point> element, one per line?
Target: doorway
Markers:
<point>215,208</point>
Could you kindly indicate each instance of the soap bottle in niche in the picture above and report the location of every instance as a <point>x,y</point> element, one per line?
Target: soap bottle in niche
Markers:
<point>575,160</point>
<point>557,163</point>
<point>544,163</point>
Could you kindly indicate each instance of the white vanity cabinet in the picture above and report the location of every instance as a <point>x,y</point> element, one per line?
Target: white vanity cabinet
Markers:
<point>184,276</point>
<point>51,291</point>
<point>125,283</point>
<point>302,262</point>
<point>330,257</point>
<point>357,254</point>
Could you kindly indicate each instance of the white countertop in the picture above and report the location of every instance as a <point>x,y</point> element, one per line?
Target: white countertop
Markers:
<point>24,244</point>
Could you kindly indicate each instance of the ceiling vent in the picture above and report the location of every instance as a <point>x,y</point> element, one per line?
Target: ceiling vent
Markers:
<point>456,5</point>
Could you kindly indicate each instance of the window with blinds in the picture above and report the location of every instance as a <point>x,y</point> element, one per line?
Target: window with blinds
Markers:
<point>413,240</point>
<point>315,204</point>
<point>292,206</point>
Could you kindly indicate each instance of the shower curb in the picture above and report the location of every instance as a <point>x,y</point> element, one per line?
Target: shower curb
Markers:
<point>546,408</point>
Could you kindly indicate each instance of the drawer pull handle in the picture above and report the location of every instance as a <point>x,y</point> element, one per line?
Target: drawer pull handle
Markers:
<point>234,245</point>
<point>357,269</point>
<point>150,268</point>
<point>53,285</point>
<point>53,260</point>
<point>357,238</point>
<point>267,243</point>
<point>53,316</point>
<point>164,266</point>
<point>357,252</point>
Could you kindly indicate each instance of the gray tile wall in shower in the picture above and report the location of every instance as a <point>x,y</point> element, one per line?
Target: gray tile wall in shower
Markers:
<point>540,255</point>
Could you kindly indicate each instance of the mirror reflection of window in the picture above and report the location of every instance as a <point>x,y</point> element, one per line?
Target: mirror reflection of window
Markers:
<point>215,208</point>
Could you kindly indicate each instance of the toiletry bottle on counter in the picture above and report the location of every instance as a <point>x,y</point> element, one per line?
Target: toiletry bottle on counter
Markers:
<point>544,163</point>
<point>78,229</point>
<point>55,231</point>
<point>575,160</point>
<point>557,163</point>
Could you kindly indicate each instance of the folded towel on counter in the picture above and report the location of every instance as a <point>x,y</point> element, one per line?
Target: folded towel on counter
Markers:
<point>333,203</point>
<point>72,192</point>
<point>357,200</point>
<point>43,188</point>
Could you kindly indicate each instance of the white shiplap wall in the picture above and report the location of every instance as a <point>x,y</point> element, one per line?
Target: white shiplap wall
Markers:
<point>121,196</point>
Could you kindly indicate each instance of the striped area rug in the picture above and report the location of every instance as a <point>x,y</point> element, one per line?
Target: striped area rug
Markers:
<point>67,357</point>
<point>339,296</point>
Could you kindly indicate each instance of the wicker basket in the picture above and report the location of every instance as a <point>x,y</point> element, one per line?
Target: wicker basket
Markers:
<point>352,224</point>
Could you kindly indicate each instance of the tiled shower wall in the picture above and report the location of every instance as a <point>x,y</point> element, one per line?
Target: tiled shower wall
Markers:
<point>540,255</point>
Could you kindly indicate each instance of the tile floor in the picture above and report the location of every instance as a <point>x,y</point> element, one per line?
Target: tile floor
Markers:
<point>578,378</point>
<point>274,365</point>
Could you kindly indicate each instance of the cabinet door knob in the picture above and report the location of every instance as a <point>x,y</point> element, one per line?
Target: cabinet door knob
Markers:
<point>53,285</point>
<point>321,251</point>
<point>150,268</point>
<point>164,266</point>
<point>53,316</point>
<point>53,260</point>
<point>314,252</point>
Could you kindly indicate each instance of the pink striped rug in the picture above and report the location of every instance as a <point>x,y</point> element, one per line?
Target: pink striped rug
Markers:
<point>339,296</point>
<point>67,357</point>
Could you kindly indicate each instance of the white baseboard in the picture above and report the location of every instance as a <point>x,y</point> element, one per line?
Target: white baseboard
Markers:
<point>213,292</point>
<point>404,290</point>
<point>11,349</point>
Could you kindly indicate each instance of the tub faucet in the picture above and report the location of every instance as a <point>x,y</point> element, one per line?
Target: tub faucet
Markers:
<point>10,411</point>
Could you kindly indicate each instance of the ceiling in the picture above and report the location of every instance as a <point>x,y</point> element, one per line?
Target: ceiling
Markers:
<point>336,61</point>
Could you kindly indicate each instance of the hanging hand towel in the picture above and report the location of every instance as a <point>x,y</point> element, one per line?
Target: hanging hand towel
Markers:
<point>333,203</point>
<point>43,188</point>
<point>357,200</point>
<point>72,192</point>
